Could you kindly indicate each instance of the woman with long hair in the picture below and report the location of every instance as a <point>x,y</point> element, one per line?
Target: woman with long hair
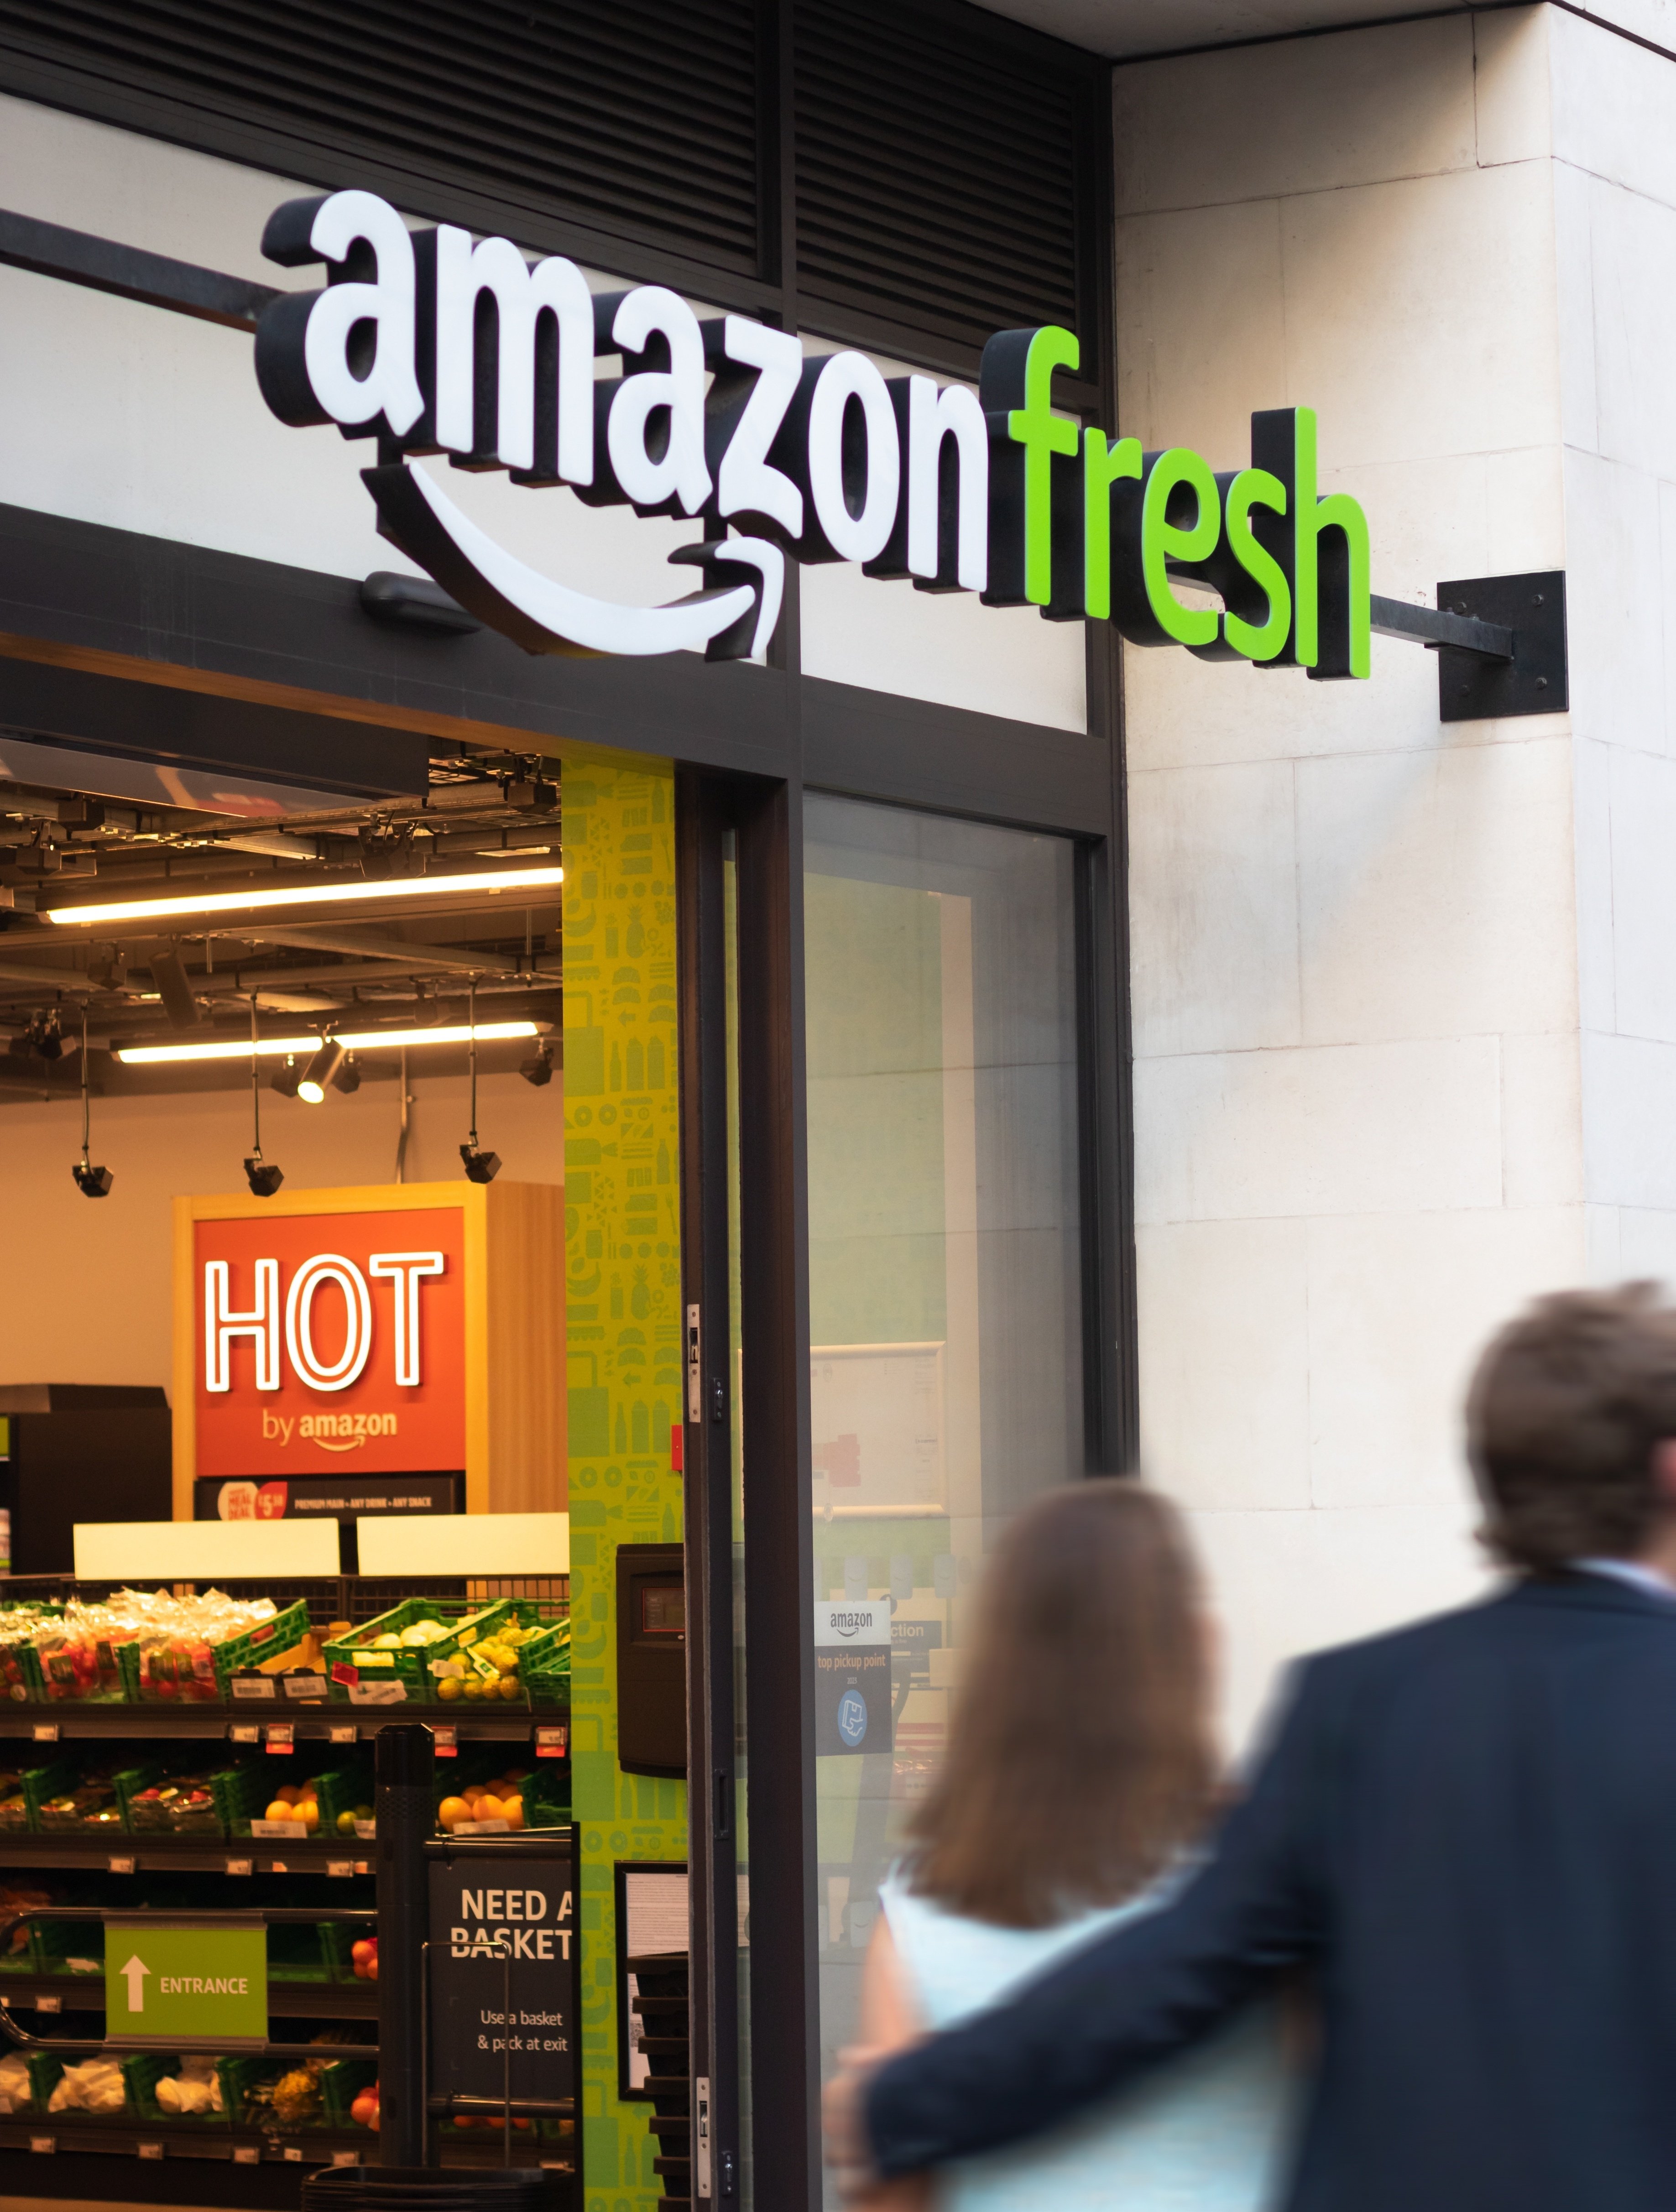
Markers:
<point>1080,1773</point>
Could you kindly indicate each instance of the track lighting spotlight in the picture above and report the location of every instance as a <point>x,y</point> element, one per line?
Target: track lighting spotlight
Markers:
<point>538,1070</point>
<point>346,1078</point>
<point>320,1072</point>
<point>91,1181</point>
<point>480,1166</point>
<point>46,1036</point>
<point>262,1177</point>
<point>287,1080</point>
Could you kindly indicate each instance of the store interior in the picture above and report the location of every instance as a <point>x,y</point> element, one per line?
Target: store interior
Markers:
<point>229,1002</point>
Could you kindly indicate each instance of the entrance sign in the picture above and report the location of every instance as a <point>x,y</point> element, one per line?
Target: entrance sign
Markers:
<point>201,1983</point>
<point>503,1974</point>
<point>436,345</point>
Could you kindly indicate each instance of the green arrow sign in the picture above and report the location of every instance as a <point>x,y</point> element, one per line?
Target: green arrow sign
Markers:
<point>201,1984</point>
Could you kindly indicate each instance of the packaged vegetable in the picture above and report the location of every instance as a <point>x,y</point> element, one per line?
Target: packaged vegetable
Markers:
<point>95,2086</point>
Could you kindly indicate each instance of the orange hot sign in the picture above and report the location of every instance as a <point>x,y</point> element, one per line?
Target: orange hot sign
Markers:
<point>331,1339</point>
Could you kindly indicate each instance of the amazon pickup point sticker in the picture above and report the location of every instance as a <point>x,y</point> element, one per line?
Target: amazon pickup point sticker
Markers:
<point>852,1712</point>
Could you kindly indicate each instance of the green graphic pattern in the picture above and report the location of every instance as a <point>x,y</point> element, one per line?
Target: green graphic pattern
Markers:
<point>622,1291</point>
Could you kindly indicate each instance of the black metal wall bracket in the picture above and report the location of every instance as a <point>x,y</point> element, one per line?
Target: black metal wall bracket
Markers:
<point>1500,643</point>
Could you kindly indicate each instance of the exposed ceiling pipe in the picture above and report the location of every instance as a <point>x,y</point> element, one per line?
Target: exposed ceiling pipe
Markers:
<point>440,957</point>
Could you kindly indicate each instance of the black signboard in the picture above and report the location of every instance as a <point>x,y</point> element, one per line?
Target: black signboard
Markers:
<point>503,1974</point>
<point>323,1496</point>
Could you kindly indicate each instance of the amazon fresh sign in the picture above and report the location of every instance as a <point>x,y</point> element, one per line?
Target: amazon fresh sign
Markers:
<point>435,344</point>
<point>188,1983</point>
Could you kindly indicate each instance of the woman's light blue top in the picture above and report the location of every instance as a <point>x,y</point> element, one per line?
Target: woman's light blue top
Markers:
<point>1206,2133</point>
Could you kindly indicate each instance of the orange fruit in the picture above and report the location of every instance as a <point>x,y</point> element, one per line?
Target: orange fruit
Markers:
<point>309,1814</point>
<point>279,1810</point>
<point>451,1809</point>
<point>512,1811</point>
<point>489,1808</point>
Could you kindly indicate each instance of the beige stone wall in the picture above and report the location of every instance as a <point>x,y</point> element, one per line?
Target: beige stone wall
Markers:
<point>1358,1135</point>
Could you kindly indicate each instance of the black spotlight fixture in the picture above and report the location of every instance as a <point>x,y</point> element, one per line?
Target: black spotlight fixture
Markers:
<point>538,1069</point>
<point>47,1037</point>
<point>262,1177</point>
<point>320,1073</point>
<point>91,1181</point>
<point>347,1076</point>
<point>480,1166</point>
<point>287,1080</point>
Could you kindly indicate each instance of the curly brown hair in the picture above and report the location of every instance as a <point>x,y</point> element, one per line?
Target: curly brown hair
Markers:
<point>1080,1756</point>
<point>1562,1416</point>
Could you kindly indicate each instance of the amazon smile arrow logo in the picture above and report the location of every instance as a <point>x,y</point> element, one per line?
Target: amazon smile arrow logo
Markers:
<point>437,344</point>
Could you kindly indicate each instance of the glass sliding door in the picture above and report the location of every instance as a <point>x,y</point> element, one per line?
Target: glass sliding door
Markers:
<point>945,1375</point>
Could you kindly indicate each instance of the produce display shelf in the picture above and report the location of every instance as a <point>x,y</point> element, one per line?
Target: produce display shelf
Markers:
<point>312,1722</point>
<point>119,2137</point>
<point>239,1854</point>
<point>84,1993</point>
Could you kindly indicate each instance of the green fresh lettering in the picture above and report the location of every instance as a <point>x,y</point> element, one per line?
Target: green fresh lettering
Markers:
<point>1043,433</point>
<point>1162,541</point>
<point>1256,641</point>
<point>1102,467</point>
<point>1350,582</point>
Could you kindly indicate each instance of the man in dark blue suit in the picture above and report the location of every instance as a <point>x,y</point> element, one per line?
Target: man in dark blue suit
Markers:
<point>1462,1836</point>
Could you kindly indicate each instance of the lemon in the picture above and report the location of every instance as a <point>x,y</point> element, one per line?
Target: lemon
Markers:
<point>511,1688</point>
<point>448,1689</point>
<point>473,1691</point>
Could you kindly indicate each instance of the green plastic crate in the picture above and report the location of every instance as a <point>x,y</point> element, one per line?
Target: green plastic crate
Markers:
<point>155,1678</point>
<point>128,1784</point>
<point>56,1943</point>
<point>548,1649</point>
<point>339,1790</point>
<point>45,2072</point>
<point>340,2083</point>
<point>351,1662</point>
<point>247,1798</point>
<point>104,1819</point>
<point>20,1676</point>
<point>297,1953</point>
<point>549,1688</point>
<point>141,2072</point>
<point>237,2076</point>
<point>38,1781</point>
<point>338,1940</point>
<point>169,1817</point>
<point>536,1657</point>
<point>18,2101</point>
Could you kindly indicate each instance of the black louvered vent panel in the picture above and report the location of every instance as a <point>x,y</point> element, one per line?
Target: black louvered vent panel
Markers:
<point>635,118</point>
<point>936,176</point>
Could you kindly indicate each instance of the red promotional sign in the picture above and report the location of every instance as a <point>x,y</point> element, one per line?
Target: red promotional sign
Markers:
<point>328,1341</point>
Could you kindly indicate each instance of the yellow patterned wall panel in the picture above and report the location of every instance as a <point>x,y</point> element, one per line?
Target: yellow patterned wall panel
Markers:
<point>623,1289</point>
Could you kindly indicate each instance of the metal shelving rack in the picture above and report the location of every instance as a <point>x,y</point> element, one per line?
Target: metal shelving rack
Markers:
<point>116,2158</point>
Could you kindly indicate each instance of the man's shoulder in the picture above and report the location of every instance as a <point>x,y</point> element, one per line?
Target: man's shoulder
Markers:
<point>1572,1608</point>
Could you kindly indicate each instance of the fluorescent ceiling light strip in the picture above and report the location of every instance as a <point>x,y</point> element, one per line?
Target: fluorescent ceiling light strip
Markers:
<point>497,881</point>
<point>153,1055</point>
